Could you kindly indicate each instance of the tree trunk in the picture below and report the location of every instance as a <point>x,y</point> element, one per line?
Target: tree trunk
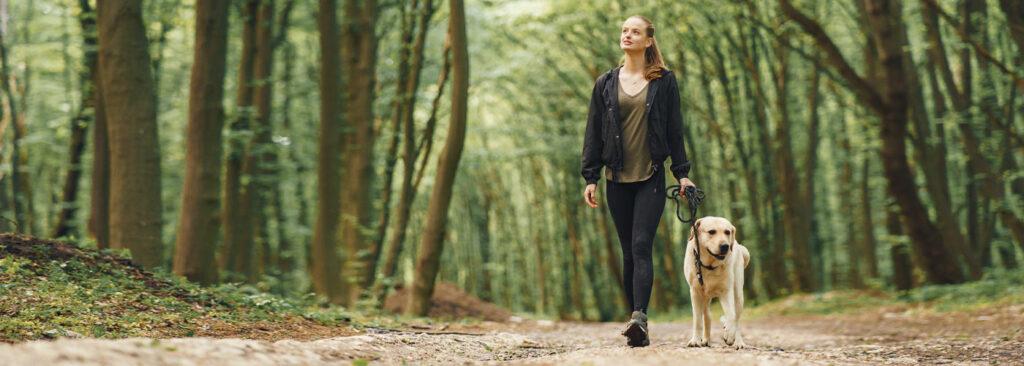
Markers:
<point>235,217</point>
<point>197,236</point>
<point>21,192</point>
<point>405,105</point>
<point>428,258</point>
<point>325,264</point>
<point>356,215</point>
<point>867,226</point>
<point>407,193</point>
<point>127,80</point>
<point>258,175</point>
<point>795,218</point>
<point>79,124</point>
<point>902,267</point>
<point>99,195</point>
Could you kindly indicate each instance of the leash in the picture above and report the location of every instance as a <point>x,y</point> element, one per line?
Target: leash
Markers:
<point>694,198</point>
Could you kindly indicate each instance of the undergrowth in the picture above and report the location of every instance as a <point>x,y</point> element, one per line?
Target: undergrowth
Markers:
<point>51,289</point>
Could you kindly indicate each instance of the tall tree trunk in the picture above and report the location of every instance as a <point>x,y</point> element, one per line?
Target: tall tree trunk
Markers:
<point>356,215</point>
<point>902,267</point>
<point>407,193</point>
<point>795,219</point>
<point>21,192</point>
<point>258,175</point>
<point>405,106</point>
<point>135,205</point>
<point>99,195</point>
<point>869,243</point>
<point>79,124</point>
<point>200,204</point>
<point>429,256</point>
<point>235,217</point>
<point>325,264</point>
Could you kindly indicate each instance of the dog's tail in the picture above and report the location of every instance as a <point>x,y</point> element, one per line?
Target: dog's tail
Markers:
<point>745,254</point>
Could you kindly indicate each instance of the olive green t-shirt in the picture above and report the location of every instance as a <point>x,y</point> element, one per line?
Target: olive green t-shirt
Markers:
<point>636,159</point>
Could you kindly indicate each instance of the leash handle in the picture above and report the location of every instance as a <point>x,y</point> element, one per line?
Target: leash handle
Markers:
<point>694,198</point>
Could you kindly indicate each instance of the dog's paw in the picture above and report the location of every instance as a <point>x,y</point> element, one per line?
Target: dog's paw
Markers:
<point>739,344</point>
<point>728,332</point>
<point>696,342</point>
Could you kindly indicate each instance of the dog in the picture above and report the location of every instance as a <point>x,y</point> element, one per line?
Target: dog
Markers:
<point>721,260</point>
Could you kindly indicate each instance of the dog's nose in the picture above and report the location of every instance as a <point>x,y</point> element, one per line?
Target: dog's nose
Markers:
<point>724,248</point>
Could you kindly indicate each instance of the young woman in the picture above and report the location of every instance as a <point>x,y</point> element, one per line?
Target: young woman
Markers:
<point>634,124</point>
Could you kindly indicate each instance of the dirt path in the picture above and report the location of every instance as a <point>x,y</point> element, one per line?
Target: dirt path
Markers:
<point>992,336</point>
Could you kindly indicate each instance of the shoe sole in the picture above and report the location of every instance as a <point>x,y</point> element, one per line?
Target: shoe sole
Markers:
<point>636,335</point>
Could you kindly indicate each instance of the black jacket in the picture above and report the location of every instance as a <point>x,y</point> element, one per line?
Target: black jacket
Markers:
<point>602,142</point>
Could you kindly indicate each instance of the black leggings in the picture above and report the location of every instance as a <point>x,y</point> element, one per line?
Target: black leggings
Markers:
<point>636,208</point>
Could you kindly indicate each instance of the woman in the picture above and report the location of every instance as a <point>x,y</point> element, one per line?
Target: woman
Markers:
<point>634,124</point>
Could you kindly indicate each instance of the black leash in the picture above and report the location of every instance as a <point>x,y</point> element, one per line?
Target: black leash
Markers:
<point>694,198</point>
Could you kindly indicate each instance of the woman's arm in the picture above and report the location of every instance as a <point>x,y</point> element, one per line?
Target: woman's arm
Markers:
<point>680,165</point>
<point>592,143</point>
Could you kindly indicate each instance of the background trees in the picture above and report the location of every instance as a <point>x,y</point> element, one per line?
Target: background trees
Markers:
<point>855,143</point>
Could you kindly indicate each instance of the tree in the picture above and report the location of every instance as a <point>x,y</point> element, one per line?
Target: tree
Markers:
<point>889,102</point>
<point>432,244</point>
<point>324,262</point>
<point>199,222</point>
<point>360,42</point>
<point>127,87</point>
<point>234,257</point>
<point>80,123</point>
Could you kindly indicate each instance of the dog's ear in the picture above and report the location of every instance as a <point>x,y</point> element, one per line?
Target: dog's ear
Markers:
<point>696,225</point>
<point>734,235</point>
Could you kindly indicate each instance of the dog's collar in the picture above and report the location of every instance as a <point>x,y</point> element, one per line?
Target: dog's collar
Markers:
<point>701,263</point>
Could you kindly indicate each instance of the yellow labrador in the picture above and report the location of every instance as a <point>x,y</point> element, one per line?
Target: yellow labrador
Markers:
<point>722,260</point>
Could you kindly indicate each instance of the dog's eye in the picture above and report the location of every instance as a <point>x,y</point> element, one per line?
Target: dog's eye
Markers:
<point>727,232</point>
<point>712,232</point>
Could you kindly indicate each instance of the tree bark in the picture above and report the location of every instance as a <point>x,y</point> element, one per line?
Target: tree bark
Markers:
<point>79,124</point>
<point>258,175</point>
<point>235,217</point>
<point>324,261</point>
<point>127,80</point>
<point>356,216</point>
<point>428,258</point>
<point>407,193</point>
<point>197,236</point>
<point>796,220</point>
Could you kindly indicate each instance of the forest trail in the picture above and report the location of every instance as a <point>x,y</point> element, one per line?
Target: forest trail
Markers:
<point>994,335</point>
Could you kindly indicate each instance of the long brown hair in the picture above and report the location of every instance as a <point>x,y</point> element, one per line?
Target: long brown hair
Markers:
<point>652,55</point>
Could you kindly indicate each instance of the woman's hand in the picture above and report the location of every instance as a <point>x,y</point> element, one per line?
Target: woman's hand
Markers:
<point>590,195</point>
<point>683,183</point>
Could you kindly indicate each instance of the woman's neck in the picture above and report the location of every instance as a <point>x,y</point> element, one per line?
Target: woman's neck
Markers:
<point>635,63</point>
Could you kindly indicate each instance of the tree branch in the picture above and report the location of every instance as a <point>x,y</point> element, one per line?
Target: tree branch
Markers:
<point>981,51</point>
<point>857,84</point>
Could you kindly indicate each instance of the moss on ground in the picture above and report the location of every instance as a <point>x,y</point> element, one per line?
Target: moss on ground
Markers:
<point>53,289</point>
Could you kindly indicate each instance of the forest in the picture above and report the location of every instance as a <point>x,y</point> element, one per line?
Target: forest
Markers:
<point>351,148</point>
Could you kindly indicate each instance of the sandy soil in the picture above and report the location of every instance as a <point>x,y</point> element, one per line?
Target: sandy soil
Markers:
<point>884,336</point>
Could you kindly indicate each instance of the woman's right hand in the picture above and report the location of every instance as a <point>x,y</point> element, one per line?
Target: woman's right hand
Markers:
<point>590,195</point>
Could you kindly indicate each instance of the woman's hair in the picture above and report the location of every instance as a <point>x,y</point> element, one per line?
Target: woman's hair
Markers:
<point>652,54</point>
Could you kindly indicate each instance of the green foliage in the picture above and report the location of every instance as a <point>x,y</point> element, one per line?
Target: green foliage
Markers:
<point>998,287</point>
<point>50,289</point>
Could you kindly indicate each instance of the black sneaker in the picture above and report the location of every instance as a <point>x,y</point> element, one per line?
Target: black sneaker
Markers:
<point>636,330</point>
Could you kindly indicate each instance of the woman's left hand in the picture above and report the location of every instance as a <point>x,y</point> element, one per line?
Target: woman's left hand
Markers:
<point>683,183</point>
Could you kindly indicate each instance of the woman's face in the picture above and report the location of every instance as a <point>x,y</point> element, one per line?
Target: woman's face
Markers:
<point>633,36</point>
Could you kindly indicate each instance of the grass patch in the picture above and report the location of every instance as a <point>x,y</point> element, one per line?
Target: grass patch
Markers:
<point>51,289</point>
<point>996,288</point>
